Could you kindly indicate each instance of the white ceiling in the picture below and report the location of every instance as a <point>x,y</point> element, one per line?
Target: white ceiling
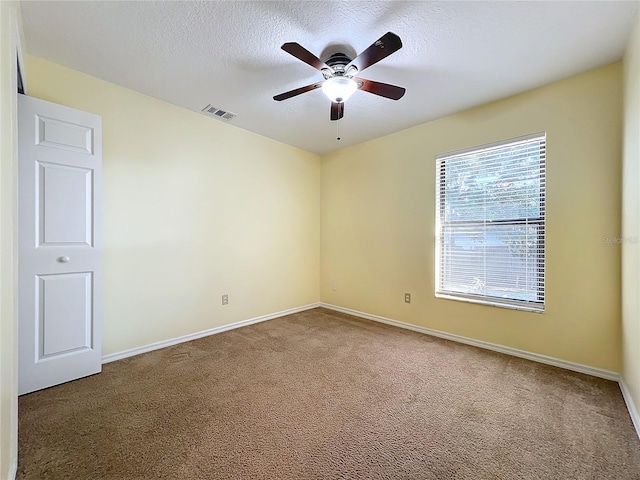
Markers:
<point>455,55</point>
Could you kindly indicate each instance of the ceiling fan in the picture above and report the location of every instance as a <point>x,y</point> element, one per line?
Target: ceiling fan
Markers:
<point>340,71</point>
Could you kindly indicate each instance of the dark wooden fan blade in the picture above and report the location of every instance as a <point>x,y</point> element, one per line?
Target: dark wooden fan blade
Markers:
<point>381,48</point>
<point>303,54</point>
<point>297,91</point>
<point>337,110</point>
<point>378,88</point>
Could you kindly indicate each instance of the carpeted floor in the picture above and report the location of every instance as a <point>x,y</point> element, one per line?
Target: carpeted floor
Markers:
<point>322,395</point>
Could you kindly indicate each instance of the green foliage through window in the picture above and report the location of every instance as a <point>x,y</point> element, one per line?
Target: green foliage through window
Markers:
<point>491,223</point>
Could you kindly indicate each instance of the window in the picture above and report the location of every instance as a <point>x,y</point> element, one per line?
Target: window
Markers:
<point>490,224</point>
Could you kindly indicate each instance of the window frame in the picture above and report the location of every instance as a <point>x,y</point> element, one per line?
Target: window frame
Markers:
<point>537,306</point>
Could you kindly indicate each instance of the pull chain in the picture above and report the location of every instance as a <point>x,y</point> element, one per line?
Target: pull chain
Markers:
<point>338,130</point>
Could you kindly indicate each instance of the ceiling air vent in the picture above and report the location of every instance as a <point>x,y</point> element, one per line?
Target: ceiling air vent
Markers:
<point>218,113</point>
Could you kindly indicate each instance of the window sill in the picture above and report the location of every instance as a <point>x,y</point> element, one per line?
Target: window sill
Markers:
<point>491,303</point>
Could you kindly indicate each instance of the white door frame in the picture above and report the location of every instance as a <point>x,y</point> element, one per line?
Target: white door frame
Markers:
<point>11,51</point>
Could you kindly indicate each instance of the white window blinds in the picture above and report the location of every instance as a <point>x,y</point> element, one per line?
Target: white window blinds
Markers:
<point>490,224</point>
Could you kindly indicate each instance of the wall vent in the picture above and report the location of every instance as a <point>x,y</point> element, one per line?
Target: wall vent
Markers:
<point>218,113</point>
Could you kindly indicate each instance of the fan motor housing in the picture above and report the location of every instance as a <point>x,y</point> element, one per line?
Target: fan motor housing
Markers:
<point>338,61</point>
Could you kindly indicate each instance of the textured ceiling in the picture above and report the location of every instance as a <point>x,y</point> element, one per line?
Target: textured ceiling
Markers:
<point>455,55</point>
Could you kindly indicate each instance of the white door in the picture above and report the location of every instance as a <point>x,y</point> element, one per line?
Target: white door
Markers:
<point>59,244</point>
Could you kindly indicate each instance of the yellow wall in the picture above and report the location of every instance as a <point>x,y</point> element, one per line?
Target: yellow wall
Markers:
<point>9,33</point>
<point>631,218</point>
<point>378,212</point>
<point>193,208</point>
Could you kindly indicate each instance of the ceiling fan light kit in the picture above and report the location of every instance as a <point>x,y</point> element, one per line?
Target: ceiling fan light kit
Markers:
<point>339,73</point>
<point>339,88</point>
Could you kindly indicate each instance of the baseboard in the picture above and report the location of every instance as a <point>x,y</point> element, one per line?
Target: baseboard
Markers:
<point>112,357</point>
<point>633,412</point>
<point>556,362</point>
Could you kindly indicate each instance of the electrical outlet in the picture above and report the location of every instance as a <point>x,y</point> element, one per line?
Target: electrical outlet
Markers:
<point>334,287</point>
<point>225,299</point>
<point>407,298</point>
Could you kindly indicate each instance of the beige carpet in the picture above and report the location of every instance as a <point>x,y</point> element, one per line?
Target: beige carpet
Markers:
<point>321,395</point>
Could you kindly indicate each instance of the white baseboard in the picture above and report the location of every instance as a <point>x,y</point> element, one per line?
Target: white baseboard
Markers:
<point>633,412</point>
<point>556,362</point>
<point>112,357</point>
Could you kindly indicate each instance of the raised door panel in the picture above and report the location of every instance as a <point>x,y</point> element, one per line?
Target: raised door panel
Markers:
<point>64,315</point>
<point>55,133</point>
<point>65,198</point>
